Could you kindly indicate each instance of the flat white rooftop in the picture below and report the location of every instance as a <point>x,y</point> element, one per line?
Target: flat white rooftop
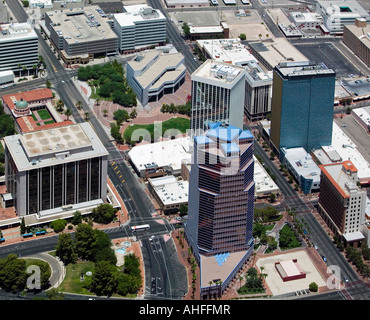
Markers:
<point>263,182</point>
<point>302,163</point>
<point>81,25</point>
<point>136,14</point>
<point>219,73</point>
<point>347,150</point>
<point>164,153</point>
<point>227,50</point>
<point>44,148</point>
<point>12,31</point>
<point>170,190</point>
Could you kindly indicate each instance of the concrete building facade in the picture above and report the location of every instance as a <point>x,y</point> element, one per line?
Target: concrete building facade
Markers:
<point>357,38</point>
<point>139,27</point>
<point>81,34</point>
<point>342,203</point>
<point>49,170</point>
<point>152,74</point>
<point>19,48</point>
<point>217,92</point>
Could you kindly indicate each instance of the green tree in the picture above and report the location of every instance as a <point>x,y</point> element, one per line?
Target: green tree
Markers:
<point>121,116</point>
<point>313,287</point>
<point>58,225</point>
<point>13,274</point>
<point>54,294</point>
<point>102,249</point>
<point>104,279</point>
<point>23,226</point>
<point>65,249</point>
<point>242,36</point>
<point>85,240</point>
<point>186,29</point>
<point>68,113</point>
<point>183,209</point>
<point>77,218</point>
<point>104,213</point>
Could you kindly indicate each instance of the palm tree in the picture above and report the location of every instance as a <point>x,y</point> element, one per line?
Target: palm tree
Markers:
<point>20,69</point>
<point>87,115</point>
<point>48,84</point>
<point>240,280</point>
<point>79,104</point>
<point>60,105</point>
<point>68,113</point>
<point>105,112</point>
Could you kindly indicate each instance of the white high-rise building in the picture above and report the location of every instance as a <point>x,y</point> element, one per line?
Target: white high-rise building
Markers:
<point>217,92</point>
<point>19,48</point>
<point>139,27</point>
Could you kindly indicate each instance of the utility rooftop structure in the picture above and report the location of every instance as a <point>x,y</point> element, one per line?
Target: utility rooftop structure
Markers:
<point>18,47</point>
<point>139,27</point>
<point>217,95</point>
<point>80,34</point>
<point>226,50</point>
<point>51,168</point>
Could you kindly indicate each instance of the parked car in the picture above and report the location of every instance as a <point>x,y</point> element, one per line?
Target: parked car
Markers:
<point>324,258</point>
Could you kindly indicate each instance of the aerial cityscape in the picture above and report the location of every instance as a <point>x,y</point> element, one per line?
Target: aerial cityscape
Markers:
<point>185,150</point>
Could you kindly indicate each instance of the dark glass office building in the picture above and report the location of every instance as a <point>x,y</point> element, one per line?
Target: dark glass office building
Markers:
<point>302,105</point>
<point>47,170</point>
<point>221,202</point>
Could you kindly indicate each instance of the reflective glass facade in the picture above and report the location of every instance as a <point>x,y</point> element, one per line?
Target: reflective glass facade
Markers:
<point>302,108</point>
<point>221,193</point>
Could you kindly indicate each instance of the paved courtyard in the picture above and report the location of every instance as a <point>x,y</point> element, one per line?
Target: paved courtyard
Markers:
<point>275,282</point>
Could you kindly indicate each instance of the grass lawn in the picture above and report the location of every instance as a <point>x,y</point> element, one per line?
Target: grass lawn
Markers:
<point>49,122</point>
<point>180,124</point>
<point>72,282</point>
<point>44,114</point>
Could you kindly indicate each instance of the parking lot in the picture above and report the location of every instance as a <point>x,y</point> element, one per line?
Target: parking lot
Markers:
<point>328,54</point>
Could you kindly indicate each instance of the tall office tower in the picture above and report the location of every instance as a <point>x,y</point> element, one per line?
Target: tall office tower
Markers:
<point>302,106</point>
<point>19,48</point>
<point>342,203</point>
<point>221,203</point>
<point>258,91</point>
<point>139,27</point>
<point>48,169</point>
<point>217,91</point>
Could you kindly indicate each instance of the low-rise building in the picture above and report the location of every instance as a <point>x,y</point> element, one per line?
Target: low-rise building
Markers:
<point>303,168</point>
<point>169,192</point>
<point>152,74</point>
<point>160,157</point>
<point>81,34</point>
<point>271,53</point>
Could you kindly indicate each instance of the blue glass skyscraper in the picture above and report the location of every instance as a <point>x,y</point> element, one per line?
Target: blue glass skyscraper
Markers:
<point>302,105</point>
<point>221,203</point>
